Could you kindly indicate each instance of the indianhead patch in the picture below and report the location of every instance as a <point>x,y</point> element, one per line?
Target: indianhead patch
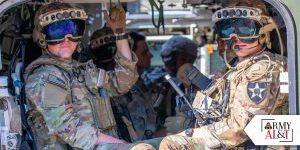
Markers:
<point>257,91</point>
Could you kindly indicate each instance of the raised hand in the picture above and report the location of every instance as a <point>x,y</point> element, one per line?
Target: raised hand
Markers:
<point>117,19</point>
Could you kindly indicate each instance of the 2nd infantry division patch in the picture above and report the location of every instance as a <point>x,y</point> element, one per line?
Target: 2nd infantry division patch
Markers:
<point>257,91</point>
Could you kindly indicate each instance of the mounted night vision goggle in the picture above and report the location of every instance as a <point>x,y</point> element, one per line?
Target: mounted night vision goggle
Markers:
<point>59,24</point>
<point>244,23</point>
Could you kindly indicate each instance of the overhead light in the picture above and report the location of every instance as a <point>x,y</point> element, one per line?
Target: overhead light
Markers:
<point>193,25</point>
<point>128,21</point>
<point>203,6</point>
<point>174,20</point>
<point>216,6</point>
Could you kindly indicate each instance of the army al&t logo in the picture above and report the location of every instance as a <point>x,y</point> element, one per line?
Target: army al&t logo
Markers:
<point>274,130</point>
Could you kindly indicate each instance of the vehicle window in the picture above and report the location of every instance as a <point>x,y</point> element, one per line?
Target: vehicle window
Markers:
<point>155,47</point>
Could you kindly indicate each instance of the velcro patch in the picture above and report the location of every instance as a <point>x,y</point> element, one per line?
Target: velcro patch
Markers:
<point>257,91</point>
<point>53,96</point>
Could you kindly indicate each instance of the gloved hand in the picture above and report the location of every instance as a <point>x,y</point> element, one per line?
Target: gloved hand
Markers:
<point>116,20</point>
<point>175,124</point>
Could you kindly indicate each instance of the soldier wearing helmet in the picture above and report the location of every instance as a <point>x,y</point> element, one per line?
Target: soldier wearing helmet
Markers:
<point>69,101</point>
<point>136,105</point>
<point>250,87</point>
<point>178,55</point>
<point>177,51</point>
<point>107,47</point>
<point>139,100</point>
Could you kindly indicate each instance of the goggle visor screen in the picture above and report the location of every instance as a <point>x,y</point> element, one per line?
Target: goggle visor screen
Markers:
<point>59,29</point>
<point>242,27</point>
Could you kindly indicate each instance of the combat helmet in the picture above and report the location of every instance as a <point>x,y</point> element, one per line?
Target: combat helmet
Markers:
<point>51,13</point>
<point>178,43</point>
<point>254,19</point>
<point>246,9</point>
<point>103,48</point>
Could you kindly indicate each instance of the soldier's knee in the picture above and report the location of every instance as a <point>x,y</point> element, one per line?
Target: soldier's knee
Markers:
<point>142,146</point>
<point>172,142</point>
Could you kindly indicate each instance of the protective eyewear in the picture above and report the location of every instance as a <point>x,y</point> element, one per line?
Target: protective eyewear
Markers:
<point>247,30</point>
<point>56,32</point>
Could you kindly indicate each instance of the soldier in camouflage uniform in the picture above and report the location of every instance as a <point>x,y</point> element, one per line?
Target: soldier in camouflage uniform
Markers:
<point>139,101</point>
<point>68,101</point>
<point>178,55</point>
<point>104,59</point>
<point>136,105</point>
<point>249,88</point>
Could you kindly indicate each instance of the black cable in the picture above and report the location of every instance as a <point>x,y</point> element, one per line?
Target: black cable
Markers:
<point>161,15</point>
<point>160,21</point>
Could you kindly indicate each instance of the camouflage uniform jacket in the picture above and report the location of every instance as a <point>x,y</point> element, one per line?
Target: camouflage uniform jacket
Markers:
<point>139,102</point>
<point>254,89</point>
<point>64,105</point>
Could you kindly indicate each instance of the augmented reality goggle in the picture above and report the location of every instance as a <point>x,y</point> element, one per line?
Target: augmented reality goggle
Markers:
<point>57,24</point>
<point>56,32</point>
<point>247,30</point>
<point>241,22</point>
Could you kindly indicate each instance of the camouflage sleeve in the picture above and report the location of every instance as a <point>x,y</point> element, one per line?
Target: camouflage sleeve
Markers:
<point>247,98</point>
<point>48,93</point>
<point>123,77</point>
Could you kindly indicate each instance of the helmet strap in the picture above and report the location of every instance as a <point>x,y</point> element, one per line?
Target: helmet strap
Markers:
<point>264,33</point>
<point>268,27</point>
<point>264,39</point>
<point>39,38</point>
<point>78,48</point>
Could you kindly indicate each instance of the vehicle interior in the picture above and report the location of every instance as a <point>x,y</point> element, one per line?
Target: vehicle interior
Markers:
<point>193,20</point>
<point>157,20</point>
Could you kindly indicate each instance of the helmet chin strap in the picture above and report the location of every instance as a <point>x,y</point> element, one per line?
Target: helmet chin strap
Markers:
<point>229,45</point>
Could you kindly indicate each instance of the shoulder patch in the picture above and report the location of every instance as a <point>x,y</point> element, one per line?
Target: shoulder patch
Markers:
<point>257,91</point>
<point>56,81</point>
